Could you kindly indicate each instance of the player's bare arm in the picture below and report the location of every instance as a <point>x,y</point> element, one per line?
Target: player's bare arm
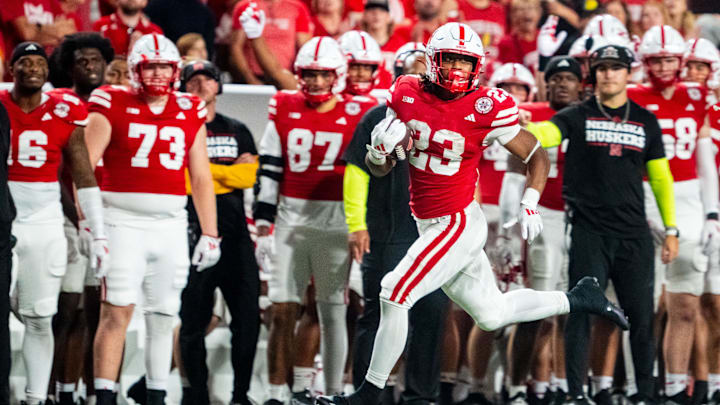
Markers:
<point>76,155</point>
<point>97,137</point>
<point>379,170</point>
<point>201,181</point>
<point>527,148</point>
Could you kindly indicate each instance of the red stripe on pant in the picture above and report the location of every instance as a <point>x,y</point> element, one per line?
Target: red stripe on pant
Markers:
<point>436,258</point>
<point>420,258</point>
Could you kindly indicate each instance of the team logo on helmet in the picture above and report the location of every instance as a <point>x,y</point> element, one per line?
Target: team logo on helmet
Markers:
<point>184,103</point>
<point>61,110</point>
<point>352,108</point>
<point>484,105</point>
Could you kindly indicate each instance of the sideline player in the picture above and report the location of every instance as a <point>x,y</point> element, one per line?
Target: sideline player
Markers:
<point>84,58</point>
<point>146,137</point>
<point>547,258</point>
<point>443,174</point>
<point>300,190</point>
<point>46,129</point>
<point>681,110</point>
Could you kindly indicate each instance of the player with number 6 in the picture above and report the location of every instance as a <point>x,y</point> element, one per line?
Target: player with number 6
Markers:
<point>147,136</point>
<point>452,119</point>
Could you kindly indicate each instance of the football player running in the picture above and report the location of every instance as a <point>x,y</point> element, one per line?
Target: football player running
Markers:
<point>300,190</point>
<point>45,130</point>
<point>681,112</point>
<point>147,136</point>
<point>443,173</point>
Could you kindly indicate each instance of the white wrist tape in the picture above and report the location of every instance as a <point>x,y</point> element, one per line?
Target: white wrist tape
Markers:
<point>530,198</point>
<point>90,203</point>
<point>375,157</point>
<point>532,152</point>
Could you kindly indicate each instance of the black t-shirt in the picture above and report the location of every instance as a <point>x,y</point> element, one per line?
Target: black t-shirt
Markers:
<point>388,214</point>
<point>7,208</point>
<point>227,139</point>
<point>605,164</point>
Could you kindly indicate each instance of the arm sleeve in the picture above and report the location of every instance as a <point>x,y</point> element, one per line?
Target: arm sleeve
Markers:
<point>504,125</point>
<point>661,182</point>
<point>269,175</point>
<point>547,132</point>
<point>355,194</point>
<point>707,174</point>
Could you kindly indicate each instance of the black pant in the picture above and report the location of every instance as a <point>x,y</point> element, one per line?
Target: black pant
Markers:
<point>427,321</point>
<point>5,266</point>
<point>629,263</point>
<point>236,274</point>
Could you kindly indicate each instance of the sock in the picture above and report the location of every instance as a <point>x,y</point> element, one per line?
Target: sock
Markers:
<point>91,400</point>
<point>333,344</point>
<point>448,377</point>
<point>104,384</point>
<point>713,383</point>
<point>302,378</point>
<point>540,388</point>
<point>675,383</point>
<point>559,383</point>
<point>389,342</point>
<point>158,350</point>
<point>514,390</point>
<point>601,382</point>
<point>278,392</point>
<point>462,384</point>
<point>37,350</point>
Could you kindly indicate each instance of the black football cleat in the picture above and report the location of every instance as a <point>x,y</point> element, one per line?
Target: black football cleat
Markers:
<point>587,296</point>
<point>332,400</point>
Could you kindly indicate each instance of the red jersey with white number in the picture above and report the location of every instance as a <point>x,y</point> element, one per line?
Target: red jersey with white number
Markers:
<point>714,118</point>
<point>38,138</point>
<point>312,143</point>
<point>448,139</point>
<point>147,152</point>
<point>680,119</point>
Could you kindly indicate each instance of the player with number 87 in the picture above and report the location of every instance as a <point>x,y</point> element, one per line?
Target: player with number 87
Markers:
<point>452,118</point>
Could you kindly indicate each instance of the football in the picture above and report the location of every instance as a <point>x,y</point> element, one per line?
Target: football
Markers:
<point>401,149</point>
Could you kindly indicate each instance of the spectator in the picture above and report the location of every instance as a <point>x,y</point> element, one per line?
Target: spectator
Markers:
<point>288,28</point>
<point>117,73</point>
<point>428,17</point>
<point>40,21</point>
<point>682,19</point>
<point>192,47</point>
<point>520,46</point>
<point>619,10</point>
<point>126,25</point>
<point>178,17</point>
<point>653,13</point>
<point>327,18</point>
<point>487,18</point>
<point>377,22</point>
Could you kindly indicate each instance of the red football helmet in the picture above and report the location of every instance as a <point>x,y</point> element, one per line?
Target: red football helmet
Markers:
<point>153,48</point>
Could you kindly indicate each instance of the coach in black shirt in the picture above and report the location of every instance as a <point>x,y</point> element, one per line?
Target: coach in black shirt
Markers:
<point>612,143</point>
<point>381,231</point>
<point>7,214</point>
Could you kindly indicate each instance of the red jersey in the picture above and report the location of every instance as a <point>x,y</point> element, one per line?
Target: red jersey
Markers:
<point>37,12</point>
<point>313,143</point>
<point>38,138</point>
<point>552,195</point>
<point>285,19</point>
<point>493,164</point>
<point>448,140</point>
<point>680,119</point>
<point>488,22</point>
<point>714,118</point>
<point>512,49</point>
<point>147,152</point>
<point>114,29</point>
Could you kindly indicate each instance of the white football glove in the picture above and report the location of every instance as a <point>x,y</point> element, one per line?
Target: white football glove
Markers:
<point>99,257</point>
<point>85,237</point>
<point>710,238</point>
<point>207,252</point>
<point>264,249</point>
<point>529,218</point>
<point>549,40</point>
<point>385,136</point>
<point>253,21</point>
